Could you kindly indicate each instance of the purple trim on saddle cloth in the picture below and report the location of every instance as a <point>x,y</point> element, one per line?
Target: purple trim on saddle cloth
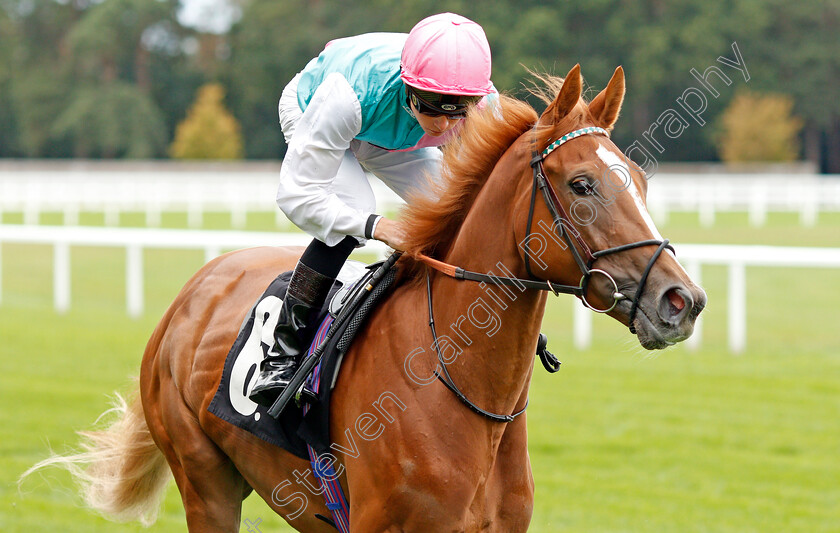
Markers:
<point>333,493</point>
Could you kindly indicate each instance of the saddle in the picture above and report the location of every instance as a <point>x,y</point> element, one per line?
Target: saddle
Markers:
<point>304,431</point>
<point>350,300</point>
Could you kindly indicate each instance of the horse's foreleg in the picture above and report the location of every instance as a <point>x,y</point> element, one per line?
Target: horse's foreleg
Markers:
<point>509,495</point>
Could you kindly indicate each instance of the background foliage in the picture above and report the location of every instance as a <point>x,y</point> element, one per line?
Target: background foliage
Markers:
<point>209,131</point>
<point>759,127</point>
<point>57,56</point>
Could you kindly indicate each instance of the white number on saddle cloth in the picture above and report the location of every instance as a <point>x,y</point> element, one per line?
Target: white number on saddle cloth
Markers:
<point>261,341</point>
<point>247,365</point>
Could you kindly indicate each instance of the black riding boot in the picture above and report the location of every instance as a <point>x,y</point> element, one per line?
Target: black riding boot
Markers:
<point>307,291</point>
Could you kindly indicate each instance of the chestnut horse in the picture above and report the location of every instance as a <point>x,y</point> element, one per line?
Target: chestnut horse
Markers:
<point>410,455</point>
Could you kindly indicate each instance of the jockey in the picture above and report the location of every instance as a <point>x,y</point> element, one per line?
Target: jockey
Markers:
<point>381,103</point>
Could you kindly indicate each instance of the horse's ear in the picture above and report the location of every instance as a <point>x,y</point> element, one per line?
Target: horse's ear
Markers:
<point>606,106</point>
<point>567,98</point>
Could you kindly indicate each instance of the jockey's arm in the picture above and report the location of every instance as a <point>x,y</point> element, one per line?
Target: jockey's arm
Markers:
<point>322,136</point>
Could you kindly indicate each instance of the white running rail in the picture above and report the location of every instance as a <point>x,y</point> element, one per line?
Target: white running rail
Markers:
<point>154,188</point>
<point>135,240</point>
<point>148,188</point>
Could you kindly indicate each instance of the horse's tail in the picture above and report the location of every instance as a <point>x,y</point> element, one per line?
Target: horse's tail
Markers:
<point>121,471</point>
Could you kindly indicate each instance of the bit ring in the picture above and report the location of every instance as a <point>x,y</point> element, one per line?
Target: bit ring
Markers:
<point>616,295</point>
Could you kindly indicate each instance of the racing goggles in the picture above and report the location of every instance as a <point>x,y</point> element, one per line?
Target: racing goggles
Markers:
<point>435,104</point>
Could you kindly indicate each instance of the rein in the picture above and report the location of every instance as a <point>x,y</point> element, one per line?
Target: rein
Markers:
<point>563,222</point>
<point>450,383</point>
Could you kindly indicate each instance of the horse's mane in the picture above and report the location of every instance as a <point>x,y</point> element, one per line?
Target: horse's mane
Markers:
<point>431,219</point>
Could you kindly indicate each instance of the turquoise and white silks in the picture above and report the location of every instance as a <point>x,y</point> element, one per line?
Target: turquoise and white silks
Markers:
<point>344,115</point>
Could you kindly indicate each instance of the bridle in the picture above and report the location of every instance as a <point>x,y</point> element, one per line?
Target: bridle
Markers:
<point>573,239</point>
<point>563,223</point>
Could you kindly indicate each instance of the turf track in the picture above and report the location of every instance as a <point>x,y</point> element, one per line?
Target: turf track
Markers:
<point>620,439</point>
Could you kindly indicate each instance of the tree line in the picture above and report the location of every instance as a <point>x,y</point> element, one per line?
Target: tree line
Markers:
<point>114,78</point>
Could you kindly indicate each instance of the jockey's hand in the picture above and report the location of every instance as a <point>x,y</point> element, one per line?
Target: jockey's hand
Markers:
<point>391,233</point>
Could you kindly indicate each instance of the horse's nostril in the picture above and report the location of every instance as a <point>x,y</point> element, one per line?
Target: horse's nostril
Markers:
<point>674,304</point>
<point>677,301</point>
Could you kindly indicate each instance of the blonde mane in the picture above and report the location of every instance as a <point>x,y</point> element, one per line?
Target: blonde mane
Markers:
<point>431,220</point>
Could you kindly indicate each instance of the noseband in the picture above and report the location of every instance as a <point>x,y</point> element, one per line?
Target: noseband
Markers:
<point>564,225</point>
<point>563,222</point>
<point>573,239</point>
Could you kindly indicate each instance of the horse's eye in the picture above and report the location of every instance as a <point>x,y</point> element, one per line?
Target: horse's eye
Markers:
<point>581,186</point>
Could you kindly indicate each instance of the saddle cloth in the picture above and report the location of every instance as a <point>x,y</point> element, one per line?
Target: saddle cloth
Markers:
<point>295,428</point>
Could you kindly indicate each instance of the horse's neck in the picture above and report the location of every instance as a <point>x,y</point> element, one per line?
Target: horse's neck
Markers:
<point>498,325</point>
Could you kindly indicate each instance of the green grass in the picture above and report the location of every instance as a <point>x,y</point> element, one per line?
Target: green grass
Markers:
<point>621,440</point>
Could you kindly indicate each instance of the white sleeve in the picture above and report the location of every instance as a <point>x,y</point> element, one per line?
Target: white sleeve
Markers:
<point>323,134</point>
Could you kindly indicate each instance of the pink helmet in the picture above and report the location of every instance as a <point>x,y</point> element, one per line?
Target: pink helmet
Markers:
<point>447,54</point>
